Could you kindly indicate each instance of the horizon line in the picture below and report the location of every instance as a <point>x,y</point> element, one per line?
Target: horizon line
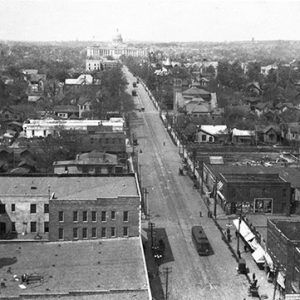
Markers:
<point>153,41</point>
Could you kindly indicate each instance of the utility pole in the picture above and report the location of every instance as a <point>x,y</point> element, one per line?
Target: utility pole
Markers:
<point>167,271</point>
<point>202,177</point>
<point>275,284</point>
<point>140,173</point>
<point>215,198</point>
<point>239,228</point>
<point>152,225</point>
<point>146,210</point>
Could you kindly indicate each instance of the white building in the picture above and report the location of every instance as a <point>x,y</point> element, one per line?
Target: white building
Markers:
<point>211,133</point>
<point>96,54</point>
<point>42,128</point>
<point>82,79</point>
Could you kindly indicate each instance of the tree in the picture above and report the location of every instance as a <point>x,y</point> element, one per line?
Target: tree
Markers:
<point>237,78</point>
<point>254,72</point>
<point>223,76</point>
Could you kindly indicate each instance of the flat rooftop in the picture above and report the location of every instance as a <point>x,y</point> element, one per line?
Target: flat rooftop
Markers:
<point>229,177</point>
<point>290,174</point>
<point>107,269</point>
<point>69,187</point>
<point>291,229</point>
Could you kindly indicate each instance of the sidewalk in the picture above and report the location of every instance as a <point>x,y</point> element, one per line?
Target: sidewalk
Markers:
<point>223,222</point>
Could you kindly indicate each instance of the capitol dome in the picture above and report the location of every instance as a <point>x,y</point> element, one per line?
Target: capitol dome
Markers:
<point>118,38</point>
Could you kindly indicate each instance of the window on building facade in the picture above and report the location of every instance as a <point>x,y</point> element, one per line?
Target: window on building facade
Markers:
<point>112,231</point>
<point>32,208</point>
<point>125,216</point>
<point>125,231</point>
<point>75,216</point>
<point>75,233</point>
<point>84,216</point>
<point>113,214</point>
<point>13,207</point>
<point>2,209</point>
<point>60,216</point>
<point>94,232</point>
<point>32,226</point>
<point>84,233</point>
<point>103,216</point>
<point>103,232</point>
<point>60,233</point>
<point>46,226</point>
<point>203,137</point>
<point>46,208</point>
<point>94,216</point>
<point>13,227</point>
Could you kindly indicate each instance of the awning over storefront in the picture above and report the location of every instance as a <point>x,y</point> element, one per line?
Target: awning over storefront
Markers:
<point>245,231</point>
<point>254,244</point>
<point>269,261</point>
<point>281,279</point>
<point>259,255</point>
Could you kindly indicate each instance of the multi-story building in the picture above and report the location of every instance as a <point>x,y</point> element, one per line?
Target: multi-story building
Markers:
<point>69,207</point>
<point>283,242</point>
<point>96,55</point>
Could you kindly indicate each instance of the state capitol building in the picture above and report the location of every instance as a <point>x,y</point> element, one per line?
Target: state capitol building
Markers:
<point>96,55</point>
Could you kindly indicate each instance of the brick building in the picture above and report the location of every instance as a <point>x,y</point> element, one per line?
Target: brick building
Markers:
<point>43,206</point>
<point>91,219</point>
<point>283,242</point>
<point>255,193</point>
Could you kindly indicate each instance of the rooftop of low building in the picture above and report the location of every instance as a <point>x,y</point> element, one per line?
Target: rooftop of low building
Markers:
<point>289,174</point>
<point>254,177</point>
<point>107,269</point>
<point>69,187</point>
<point>289,228</point>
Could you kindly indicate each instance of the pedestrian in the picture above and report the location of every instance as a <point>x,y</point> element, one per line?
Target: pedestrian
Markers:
<point>228,235</point>
<point>255,283</point>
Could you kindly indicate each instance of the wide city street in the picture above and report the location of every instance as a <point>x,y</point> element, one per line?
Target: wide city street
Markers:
<point>175,206</point>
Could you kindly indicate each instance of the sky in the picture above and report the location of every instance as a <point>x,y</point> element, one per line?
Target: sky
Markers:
<point>144,20</point>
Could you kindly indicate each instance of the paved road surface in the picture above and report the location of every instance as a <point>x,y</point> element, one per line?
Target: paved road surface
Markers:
<point>175,206</point>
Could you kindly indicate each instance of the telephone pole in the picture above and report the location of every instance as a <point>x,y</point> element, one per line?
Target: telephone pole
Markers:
<point>151,225</point>
<point>167,271</point>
